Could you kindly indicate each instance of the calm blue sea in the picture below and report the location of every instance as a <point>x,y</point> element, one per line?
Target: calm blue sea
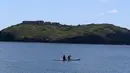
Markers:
<point>38,58</point>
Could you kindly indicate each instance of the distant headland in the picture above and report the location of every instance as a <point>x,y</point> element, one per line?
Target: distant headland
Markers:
<point>54,32</point>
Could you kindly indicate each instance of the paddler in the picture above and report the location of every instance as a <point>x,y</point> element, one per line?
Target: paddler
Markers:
<point>64,58</point>
<point>69,57</point>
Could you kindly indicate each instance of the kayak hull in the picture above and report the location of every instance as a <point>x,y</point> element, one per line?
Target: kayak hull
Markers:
<point>68,60</point>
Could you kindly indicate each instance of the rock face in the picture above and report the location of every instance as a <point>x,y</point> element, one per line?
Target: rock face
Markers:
<point>54,32</point>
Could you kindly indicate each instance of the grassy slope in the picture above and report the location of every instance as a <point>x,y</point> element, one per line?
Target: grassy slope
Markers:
<point>51,32</point>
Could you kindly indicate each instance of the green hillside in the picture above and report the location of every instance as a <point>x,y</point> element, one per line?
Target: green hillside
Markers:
<point>40,31</point>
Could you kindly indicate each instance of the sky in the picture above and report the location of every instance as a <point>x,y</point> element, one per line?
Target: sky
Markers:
<point>70,12</point>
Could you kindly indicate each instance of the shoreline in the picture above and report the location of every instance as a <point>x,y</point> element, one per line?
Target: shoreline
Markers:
<point>61,43</point>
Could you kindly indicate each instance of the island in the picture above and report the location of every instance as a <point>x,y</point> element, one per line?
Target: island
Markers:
<point>54,32</point>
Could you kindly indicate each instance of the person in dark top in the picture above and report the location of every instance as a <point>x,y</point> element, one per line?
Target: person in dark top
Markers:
<point>64,58</point>
<point>69,57</point>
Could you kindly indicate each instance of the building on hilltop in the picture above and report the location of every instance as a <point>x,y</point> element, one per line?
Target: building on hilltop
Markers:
<point>33,22</point>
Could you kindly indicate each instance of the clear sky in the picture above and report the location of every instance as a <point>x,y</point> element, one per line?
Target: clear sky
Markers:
<point>65,11</point>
